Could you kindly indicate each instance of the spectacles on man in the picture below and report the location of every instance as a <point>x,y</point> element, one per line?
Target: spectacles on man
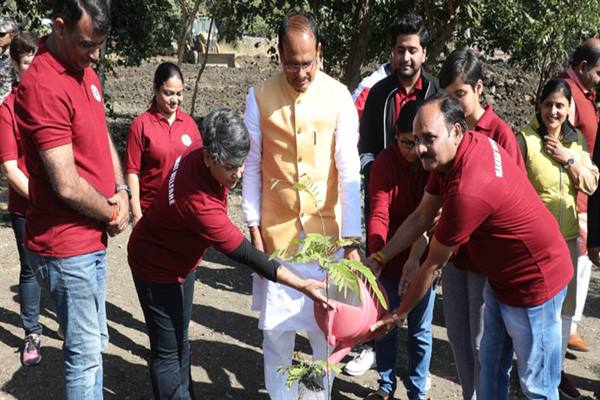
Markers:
<point>305,66</point>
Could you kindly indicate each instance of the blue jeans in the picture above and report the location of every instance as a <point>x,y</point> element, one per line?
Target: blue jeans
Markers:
<point>167,310</point>
<point>534,334</point>
<point>77,287</point>
<point>419,345</point>
<point>29,288</point>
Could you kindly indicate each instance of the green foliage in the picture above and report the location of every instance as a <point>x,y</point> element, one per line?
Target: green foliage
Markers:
<point>141,29</point>
<point>300,369</point>
<point>322,249</point>
<point>538,34</point>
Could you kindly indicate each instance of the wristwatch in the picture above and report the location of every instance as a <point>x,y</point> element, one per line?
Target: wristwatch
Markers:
<point>125,188</point>
<point>569,163</point>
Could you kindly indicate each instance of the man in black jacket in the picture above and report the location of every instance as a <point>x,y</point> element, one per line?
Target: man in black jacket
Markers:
<point>407,82</point>
<point>386,98</point>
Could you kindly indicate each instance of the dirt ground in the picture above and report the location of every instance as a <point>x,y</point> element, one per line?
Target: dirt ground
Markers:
<point>225,341</point>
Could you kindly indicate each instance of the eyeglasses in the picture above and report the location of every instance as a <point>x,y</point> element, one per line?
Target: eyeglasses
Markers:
<point>297,67</point>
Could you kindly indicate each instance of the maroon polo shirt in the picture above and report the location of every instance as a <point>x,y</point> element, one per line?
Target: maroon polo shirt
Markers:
<point>491,125</point>
<point>56,106</point>
<point>11,149</point>
<point>512,237</point>
<point>395,190</point>
<point>188,215</point>
<point>401,97</point>
<point>153,146</point>
<point>586,120</point>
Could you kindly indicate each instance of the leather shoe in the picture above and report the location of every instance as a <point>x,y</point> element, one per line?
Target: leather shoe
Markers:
<point>577,343</point>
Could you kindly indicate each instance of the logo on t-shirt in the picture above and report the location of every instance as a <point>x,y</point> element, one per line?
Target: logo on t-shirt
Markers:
<point>186,139</point>
<point>95,92</point>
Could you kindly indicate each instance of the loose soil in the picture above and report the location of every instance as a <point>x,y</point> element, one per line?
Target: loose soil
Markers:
<point>225,341</point>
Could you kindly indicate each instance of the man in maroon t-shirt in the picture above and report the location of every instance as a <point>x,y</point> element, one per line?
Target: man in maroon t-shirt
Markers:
<point>488,203</point>
<point>583,77</point>
<point>76,189</point>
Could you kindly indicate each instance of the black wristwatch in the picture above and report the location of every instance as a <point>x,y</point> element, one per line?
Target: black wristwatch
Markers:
<point>125,188</point>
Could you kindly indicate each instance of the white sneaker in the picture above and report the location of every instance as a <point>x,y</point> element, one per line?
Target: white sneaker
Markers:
<point>362,362</point>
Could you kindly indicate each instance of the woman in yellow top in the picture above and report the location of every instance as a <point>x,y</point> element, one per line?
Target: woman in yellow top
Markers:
<point>558,166</point>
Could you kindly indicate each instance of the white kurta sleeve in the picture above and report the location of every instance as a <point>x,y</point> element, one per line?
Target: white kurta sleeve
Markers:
<point>252,178</point>
<point>347,162</point>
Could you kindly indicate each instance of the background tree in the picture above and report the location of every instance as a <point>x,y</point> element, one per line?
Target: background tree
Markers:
<point>538,35</point>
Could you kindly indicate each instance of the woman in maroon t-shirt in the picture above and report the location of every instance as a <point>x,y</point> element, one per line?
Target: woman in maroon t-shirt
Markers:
<point>156,138</point>
<point>188,215</point>
<point>462,77</point>
<point>12,163</point>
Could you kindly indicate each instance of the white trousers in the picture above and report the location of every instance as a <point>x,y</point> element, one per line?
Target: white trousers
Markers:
<point>584,271</point>
<point>278,349</point>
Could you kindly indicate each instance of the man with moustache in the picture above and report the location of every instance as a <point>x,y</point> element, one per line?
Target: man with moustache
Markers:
<point>76,187</point>
<point>303,129</point>
<point>488,204</point>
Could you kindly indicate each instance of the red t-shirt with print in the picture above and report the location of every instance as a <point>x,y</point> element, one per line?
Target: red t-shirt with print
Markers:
<point>488,202</point>
<point>57,106</point>
<point>188,215</point>
<point>153,146</point>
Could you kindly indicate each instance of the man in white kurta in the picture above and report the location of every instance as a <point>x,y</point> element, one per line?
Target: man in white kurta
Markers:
<point>303,128</point>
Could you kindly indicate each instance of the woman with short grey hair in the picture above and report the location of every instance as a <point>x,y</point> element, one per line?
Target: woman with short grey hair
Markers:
<point>188,215</point>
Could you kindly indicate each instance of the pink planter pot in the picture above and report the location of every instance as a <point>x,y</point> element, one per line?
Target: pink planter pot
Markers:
<point>350,322</point>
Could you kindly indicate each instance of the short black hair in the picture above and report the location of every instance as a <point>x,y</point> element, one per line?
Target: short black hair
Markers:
<point>410,24</point>
<point>225,136</point>
<point>461,63</point>
<point>72,10</point>
<point>25,43</point>
<point>297,20</point>
<point>589,52</point>
<point>450,108</point>
<point>554,86</point>
<point>404,123</point>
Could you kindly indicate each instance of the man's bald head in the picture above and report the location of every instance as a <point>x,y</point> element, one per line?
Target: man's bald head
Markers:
<point>586,63</point>
<point>297,22</point>
<point>438,129</point>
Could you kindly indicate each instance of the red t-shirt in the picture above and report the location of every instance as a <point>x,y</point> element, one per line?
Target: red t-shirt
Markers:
<point>154,145</point>
<point>56,106</point>
<point>491,125</point>
<point>11,149</point>
<point>395,191</point>
<point>188,215</point>
<point>512,237</point>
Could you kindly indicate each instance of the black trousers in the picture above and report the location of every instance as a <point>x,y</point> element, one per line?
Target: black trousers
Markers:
<point>167,310</point>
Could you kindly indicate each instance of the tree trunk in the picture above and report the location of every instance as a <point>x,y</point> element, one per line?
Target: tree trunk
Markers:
<point>201,70</point>
<point>358,44</point>
<point>441,38</point>
<point>188,21</point>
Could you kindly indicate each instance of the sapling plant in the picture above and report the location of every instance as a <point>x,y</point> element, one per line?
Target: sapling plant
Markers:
<point>342,275</point>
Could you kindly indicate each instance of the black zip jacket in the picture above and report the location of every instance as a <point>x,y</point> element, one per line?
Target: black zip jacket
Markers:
<point>377,121</point>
